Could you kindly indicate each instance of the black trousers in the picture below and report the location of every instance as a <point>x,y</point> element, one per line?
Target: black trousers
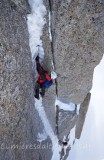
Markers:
<point>39,89</point>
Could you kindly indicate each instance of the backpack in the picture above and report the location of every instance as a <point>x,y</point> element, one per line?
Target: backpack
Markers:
<point>47,83</point>
<point>43,77</point>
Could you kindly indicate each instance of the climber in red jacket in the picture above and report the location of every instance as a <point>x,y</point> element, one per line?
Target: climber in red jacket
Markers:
<point>44,79</point>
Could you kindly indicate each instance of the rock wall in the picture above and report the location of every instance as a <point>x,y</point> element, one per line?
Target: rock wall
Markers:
<point>66,121</point>
<point>20,123</point>
<point>16,87</point>
<point>82,115</point>
<point>78,46</point>
<point>78,33</point>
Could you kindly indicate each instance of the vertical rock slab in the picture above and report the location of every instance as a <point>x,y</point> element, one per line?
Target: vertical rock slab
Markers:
<point>50,96</point>
<point>66,121</point>
<point>48,57</point>
<point>17,132</point>
<point>82,115</point>
<point>78,40</point>
<point>49,106</point>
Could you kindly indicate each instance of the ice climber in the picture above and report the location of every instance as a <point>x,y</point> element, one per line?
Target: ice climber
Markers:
<point>45,79</point>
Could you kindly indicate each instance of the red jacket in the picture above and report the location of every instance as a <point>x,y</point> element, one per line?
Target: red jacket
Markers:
<point>42,74</point>
<point>43,78</point>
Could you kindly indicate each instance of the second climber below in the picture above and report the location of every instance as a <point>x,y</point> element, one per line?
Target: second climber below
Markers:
<point>44,81</point>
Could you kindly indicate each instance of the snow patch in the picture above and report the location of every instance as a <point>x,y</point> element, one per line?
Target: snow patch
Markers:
<point>56,147</point>
<point>78,108</point>
<point>35,22</point>
<point>50,35</point>
<point>42,136</point>
<point>66,106</point>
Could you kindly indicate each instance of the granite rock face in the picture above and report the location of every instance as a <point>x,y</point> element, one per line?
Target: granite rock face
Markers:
<point>19,121</point>
<point>82,115</point>
<point>78,46</point>
<point>66,121</point>
<point>15,83</point>
<point>78,34</point>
